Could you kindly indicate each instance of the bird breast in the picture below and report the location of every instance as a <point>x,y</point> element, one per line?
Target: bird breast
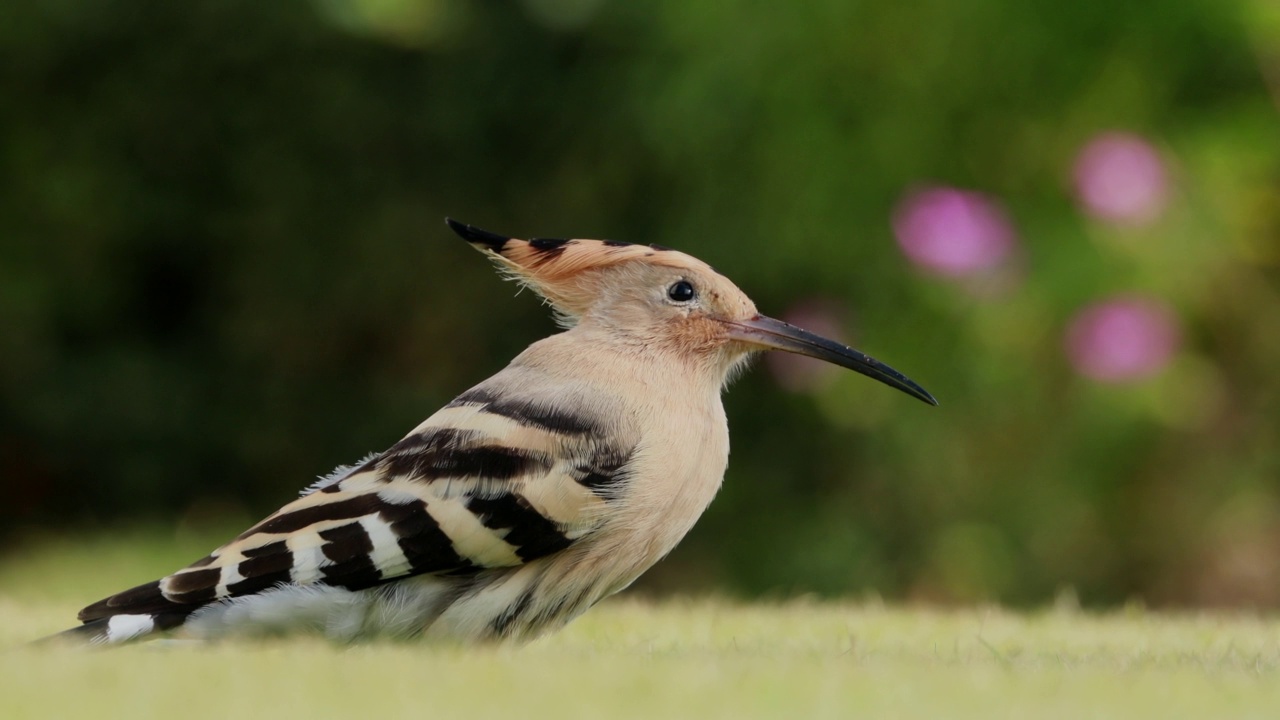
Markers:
<point>674,422</point>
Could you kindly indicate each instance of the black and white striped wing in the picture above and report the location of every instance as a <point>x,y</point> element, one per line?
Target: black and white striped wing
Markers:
<point>487,482</point>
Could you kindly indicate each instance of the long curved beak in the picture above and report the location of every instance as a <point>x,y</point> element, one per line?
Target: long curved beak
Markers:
<point>765,332</point>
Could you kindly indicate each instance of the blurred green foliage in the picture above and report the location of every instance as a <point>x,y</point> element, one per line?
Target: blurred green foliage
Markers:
<point>223,268</point>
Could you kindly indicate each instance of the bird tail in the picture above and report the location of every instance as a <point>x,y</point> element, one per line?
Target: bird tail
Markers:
<point>90,633</point>
<point>116,629</point>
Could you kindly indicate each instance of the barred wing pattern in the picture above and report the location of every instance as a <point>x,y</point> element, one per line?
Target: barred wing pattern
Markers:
<point>490,481</point>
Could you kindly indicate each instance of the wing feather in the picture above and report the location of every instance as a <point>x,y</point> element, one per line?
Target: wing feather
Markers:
<point>492,480</point>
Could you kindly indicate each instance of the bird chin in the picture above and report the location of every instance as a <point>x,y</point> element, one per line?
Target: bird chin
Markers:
<point>738,359</point>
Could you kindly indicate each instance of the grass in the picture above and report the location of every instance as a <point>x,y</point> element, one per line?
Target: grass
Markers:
<point>633,659</point>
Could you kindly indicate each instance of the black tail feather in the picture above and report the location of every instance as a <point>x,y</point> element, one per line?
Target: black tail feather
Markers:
<point>90,633</point>
<point>127,628</point>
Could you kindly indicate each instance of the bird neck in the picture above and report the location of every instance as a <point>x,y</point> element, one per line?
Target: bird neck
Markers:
<point>588,350</point>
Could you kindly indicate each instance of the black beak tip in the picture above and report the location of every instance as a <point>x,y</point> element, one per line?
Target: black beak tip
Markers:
<point>904,384</point>
<point>908,386</point>
<point>476,236</point>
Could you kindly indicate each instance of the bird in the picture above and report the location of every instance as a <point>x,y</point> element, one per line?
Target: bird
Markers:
<point>527,499</point>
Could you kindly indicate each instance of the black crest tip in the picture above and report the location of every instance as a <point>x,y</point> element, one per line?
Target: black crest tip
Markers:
<point>475,235</point>
<point>548,244</point>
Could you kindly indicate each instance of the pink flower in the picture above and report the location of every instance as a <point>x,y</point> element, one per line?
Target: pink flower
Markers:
<point>1120,178</point>
<point>1122,338</point>
<point>953,232</point>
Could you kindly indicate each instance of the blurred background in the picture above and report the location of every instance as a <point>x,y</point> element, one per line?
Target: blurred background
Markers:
<point>224,268</point>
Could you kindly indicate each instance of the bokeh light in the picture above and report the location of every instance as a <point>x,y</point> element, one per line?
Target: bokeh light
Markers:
<point>1122,338</point>
<point>1120,178</point>
<point>952,232</point>
<point>409,23</point>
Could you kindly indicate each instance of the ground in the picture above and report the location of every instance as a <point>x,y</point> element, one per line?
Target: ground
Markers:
<point>638,659</point>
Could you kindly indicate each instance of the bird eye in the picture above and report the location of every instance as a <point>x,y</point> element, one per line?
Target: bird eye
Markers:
<point>681,291</point>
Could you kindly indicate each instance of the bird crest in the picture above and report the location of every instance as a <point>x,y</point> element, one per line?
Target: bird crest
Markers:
<point>562,270</point>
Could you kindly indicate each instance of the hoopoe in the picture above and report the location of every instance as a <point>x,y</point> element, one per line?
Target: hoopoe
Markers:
<point>526,500</point>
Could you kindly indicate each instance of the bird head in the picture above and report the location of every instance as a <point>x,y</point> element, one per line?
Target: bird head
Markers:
<point>656,297</point>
